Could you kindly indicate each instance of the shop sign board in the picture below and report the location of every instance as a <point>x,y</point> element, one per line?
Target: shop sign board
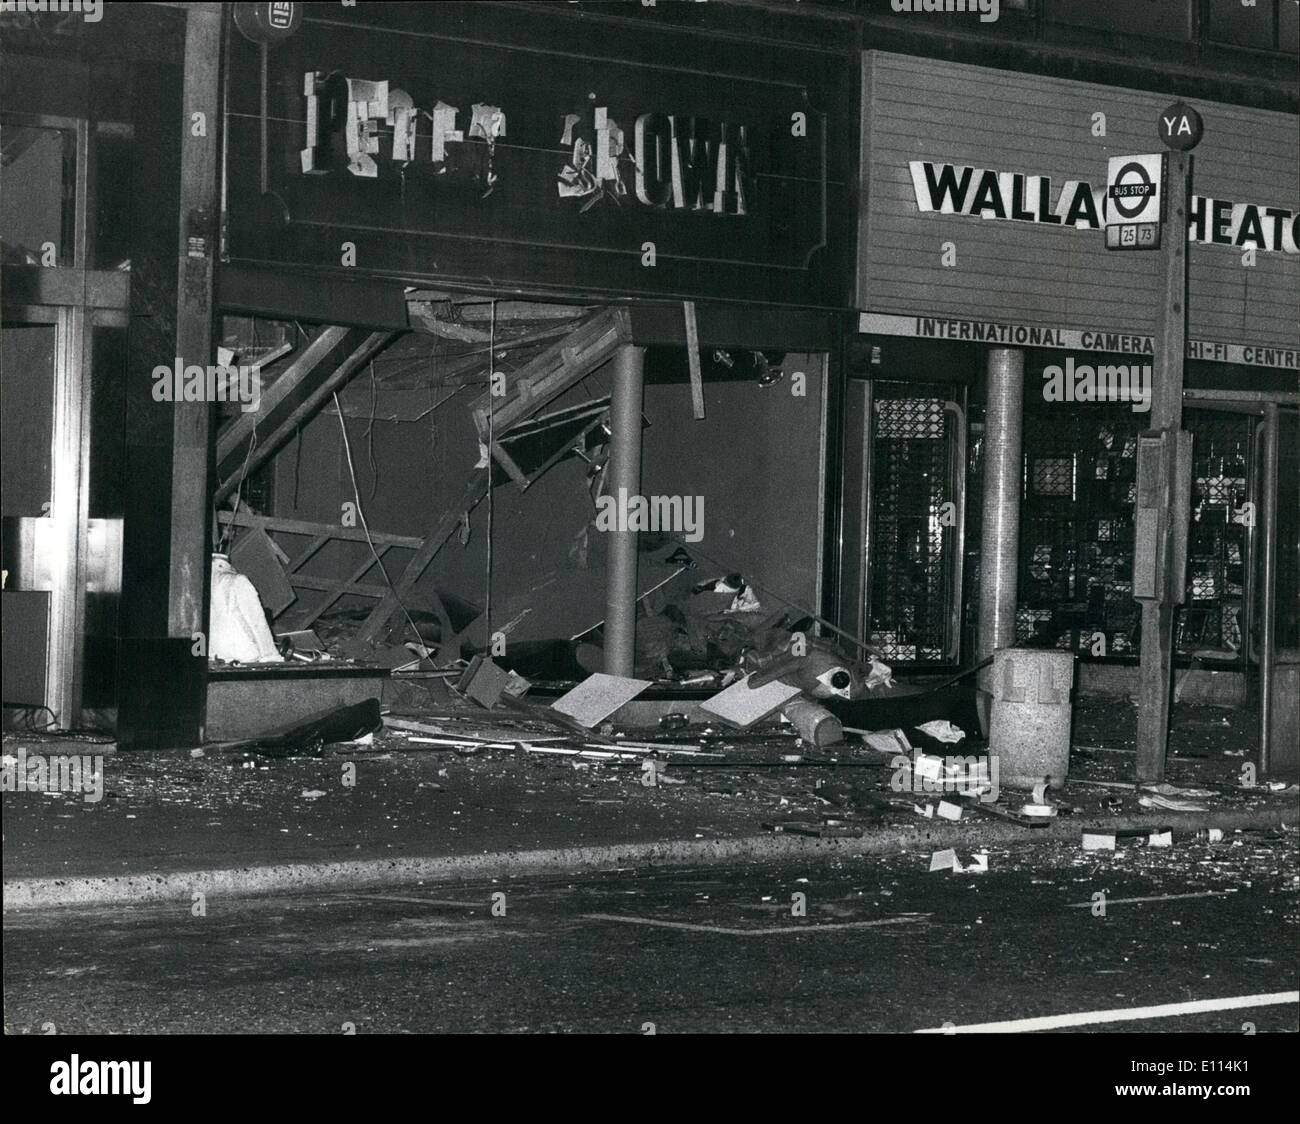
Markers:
<point>534,152</point>
<point>1004,334</point>
<point>974,211</point>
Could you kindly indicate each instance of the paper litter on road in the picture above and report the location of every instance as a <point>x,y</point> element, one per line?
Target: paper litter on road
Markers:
<point>887,741</point>
<point>943,860</point>
<point>1171,805</point>
<point>943,730</point>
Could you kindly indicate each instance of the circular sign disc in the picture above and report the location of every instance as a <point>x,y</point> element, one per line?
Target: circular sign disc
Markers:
<point>1180,126</point>
<point>268,23</point>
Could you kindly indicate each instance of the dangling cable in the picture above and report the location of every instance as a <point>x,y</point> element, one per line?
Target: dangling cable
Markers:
<point>347,448</point>
<point>492,355</point>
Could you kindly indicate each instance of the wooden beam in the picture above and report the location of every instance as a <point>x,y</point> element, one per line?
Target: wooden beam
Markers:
<point>426,315</point>
<point>392,603</point>
<point>566,362</point>
<point>337,586</point>
<point>476,309</point>
<point>506,461</point>
<point>263,436</point>
<point>310,618</point>
<point>556,457</point>
<point>306,556</point>
<point>306,527</point>
<point>693,358</point>
<point>237,432</point>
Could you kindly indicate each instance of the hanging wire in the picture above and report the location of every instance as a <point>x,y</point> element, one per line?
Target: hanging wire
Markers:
<point>370,435</point>
<point>347,449</point>
<point>492,346</point>
<point>228,533</point>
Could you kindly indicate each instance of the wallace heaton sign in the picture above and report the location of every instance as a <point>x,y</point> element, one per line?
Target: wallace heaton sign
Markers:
<point>535,152</point>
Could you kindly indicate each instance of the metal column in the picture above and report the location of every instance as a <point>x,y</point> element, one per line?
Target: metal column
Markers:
<point>624,483</point>
<point>1000,539</point>
<point>1003,470</point>
<point>1268,583</point>
<point>1156,655</point>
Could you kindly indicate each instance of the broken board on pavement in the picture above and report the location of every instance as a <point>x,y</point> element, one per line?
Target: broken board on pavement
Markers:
<point>740,705</point>
<point>597,697</point>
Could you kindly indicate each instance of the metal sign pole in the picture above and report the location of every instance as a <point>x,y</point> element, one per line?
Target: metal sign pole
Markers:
<point>1158,612</point>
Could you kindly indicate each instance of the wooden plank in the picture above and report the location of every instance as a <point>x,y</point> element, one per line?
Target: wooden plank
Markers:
<point>378,620</point>
<point>310,618</point>
<point>693,358</point>
<point>519,310</point>
<point>556,457</point>
<point>559,367</point>
<point>306,527</point>
<point>238,431</point>
<point>304,399</point>
<point>507,462</point>
<point>312,547</point>
<point>339,586</point>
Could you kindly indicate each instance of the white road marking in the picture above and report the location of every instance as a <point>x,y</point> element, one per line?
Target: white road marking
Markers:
<point>1119,1014</point>
<point>781,930</point>
<point>1154,898</point>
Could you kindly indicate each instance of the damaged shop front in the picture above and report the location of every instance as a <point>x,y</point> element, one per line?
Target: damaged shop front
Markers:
<point>478,390</point>
<point>1006,356</point>
<point>543,317</point>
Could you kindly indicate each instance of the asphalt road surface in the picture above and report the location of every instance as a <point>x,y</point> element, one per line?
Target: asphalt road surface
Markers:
<point>873,945</point>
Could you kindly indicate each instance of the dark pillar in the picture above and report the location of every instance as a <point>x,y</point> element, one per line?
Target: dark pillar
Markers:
<point>624,480</point>
<point>163,664</point>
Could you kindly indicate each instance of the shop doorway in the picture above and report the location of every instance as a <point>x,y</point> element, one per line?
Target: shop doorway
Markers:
<point>915,517</point>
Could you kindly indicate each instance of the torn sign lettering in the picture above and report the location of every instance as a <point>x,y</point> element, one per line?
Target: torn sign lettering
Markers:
<point>351,123</point>
<point>677,162</point>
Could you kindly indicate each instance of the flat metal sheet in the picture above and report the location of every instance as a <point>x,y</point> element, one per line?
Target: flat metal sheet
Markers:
<point>597,697</point>
<point>740,705</point>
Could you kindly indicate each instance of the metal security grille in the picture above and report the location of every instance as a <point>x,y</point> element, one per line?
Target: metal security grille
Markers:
<point>917,509</point>
<point>1216,546</point>
<point>1076,548</point>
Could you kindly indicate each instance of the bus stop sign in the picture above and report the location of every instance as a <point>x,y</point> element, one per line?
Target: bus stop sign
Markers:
<point>1133,203</point>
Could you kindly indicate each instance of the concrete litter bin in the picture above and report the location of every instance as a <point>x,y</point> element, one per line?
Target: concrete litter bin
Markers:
<point>1031,713</point>
<point>1284,728</point>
